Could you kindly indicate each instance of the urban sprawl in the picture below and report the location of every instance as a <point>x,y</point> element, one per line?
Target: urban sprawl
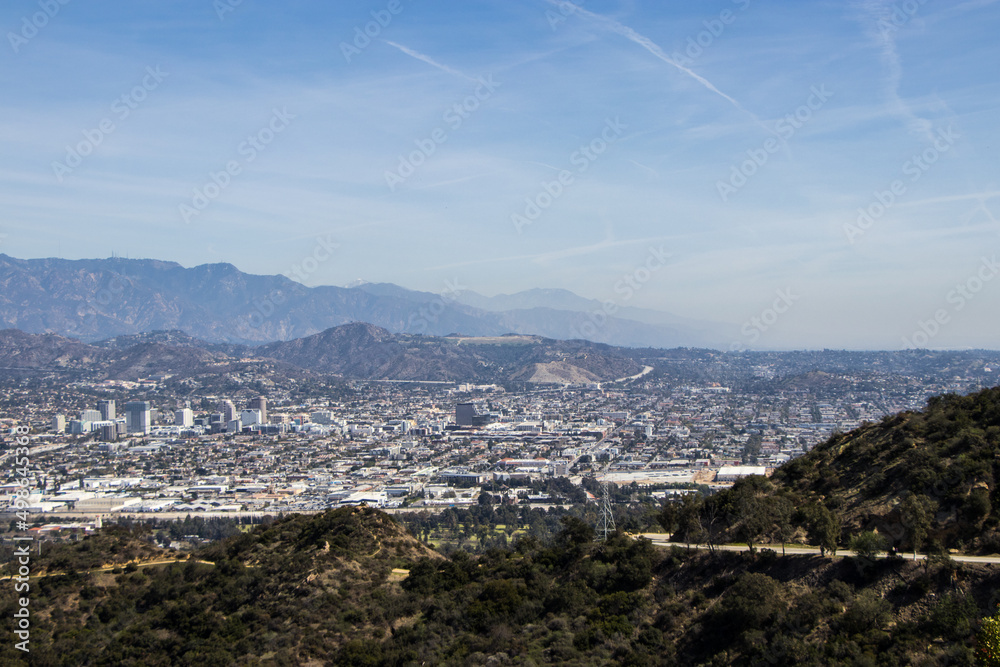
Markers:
<point>413,445</point>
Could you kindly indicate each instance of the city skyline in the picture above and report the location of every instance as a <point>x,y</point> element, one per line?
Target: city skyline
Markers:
<point>823,169</point>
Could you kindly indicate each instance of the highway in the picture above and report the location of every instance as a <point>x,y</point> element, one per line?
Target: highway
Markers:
<point>39,449</point>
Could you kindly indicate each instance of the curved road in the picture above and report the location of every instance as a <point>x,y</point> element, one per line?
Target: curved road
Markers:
<point>645,370</point>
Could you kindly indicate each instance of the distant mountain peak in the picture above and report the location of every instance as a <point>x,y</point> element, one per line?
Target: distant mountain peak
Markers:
<point>100,299</point>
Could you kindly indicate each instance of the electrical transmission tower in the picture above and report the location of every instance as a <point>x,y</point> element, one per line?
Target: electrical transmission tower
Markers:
<point>607,514</point>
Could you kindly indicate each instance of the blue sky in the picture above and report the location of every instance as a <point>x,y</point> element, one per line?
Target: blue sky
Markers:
<point>603,133</point>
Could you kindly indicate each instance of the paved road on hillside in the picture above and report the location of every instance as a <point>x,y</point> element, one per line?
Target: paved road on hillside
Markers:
<point>645,371</point>
<point>661,540</point>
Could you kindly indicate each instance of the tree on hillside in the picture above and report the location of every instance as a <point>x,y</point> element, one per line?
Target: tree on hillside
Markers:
<point>575,532</point>
<point>988,641</point>
<point>868,545</point>
<point>667,517</point>
<point>682,519</point>
<point>754,519</point>
<point>782,509</point>
<point>917,511</point>
<point>714,518</point>
<point>824,529</point>
<point>752,507</point>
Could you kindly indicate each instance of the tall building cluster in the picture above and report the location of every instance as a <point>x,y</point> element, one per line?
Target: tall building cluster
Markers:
<point>139,418</point>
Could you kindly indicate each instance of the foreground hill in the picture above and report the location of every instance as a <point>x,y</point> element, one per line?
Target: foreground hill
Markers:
<point>295,588</point>
<point>945,459</point>
<point>333,589</point>
<point>917,481</point>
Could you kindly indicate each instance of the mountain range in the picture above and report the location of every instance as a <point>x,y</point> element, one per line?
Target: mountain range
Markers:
<point>97,299</point>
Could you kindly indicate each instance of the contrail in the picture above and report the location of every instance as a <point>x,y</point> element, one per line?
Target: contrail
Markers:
<point>878,10</point>
<point>652,47</point>
<point>430,61</point>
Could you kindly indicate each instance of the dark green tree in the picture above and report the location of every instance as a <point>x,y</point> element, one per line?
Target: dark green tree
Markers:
<point>868,545</point>
<point>917,511</point>
<point>824,529</point>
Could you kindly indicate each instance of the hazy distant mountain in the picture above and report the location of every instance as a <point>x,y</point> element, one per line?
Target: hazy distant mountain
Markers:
<point>559,313</point>
<point>560,299</point>
<point>99,299</point>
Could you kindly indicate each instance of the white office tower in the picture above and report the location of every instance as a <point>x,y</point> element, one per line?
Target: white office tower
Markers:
<point>250,417</point>
<point>184,417</point>
<point>59,423</point>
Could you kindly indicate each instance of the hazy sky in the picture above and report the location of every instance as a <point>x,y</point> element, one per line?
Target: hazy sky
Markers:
<point>512,144</point>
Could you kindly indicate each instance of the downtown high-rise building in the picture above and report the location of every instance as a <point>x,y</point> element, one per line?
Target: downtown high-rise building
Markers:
<point>228,410</point>
<point>107,409</point>
<point>138,416</point>
<point>250,417</point>
<point>260,403</point>
<point>184,417</point>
